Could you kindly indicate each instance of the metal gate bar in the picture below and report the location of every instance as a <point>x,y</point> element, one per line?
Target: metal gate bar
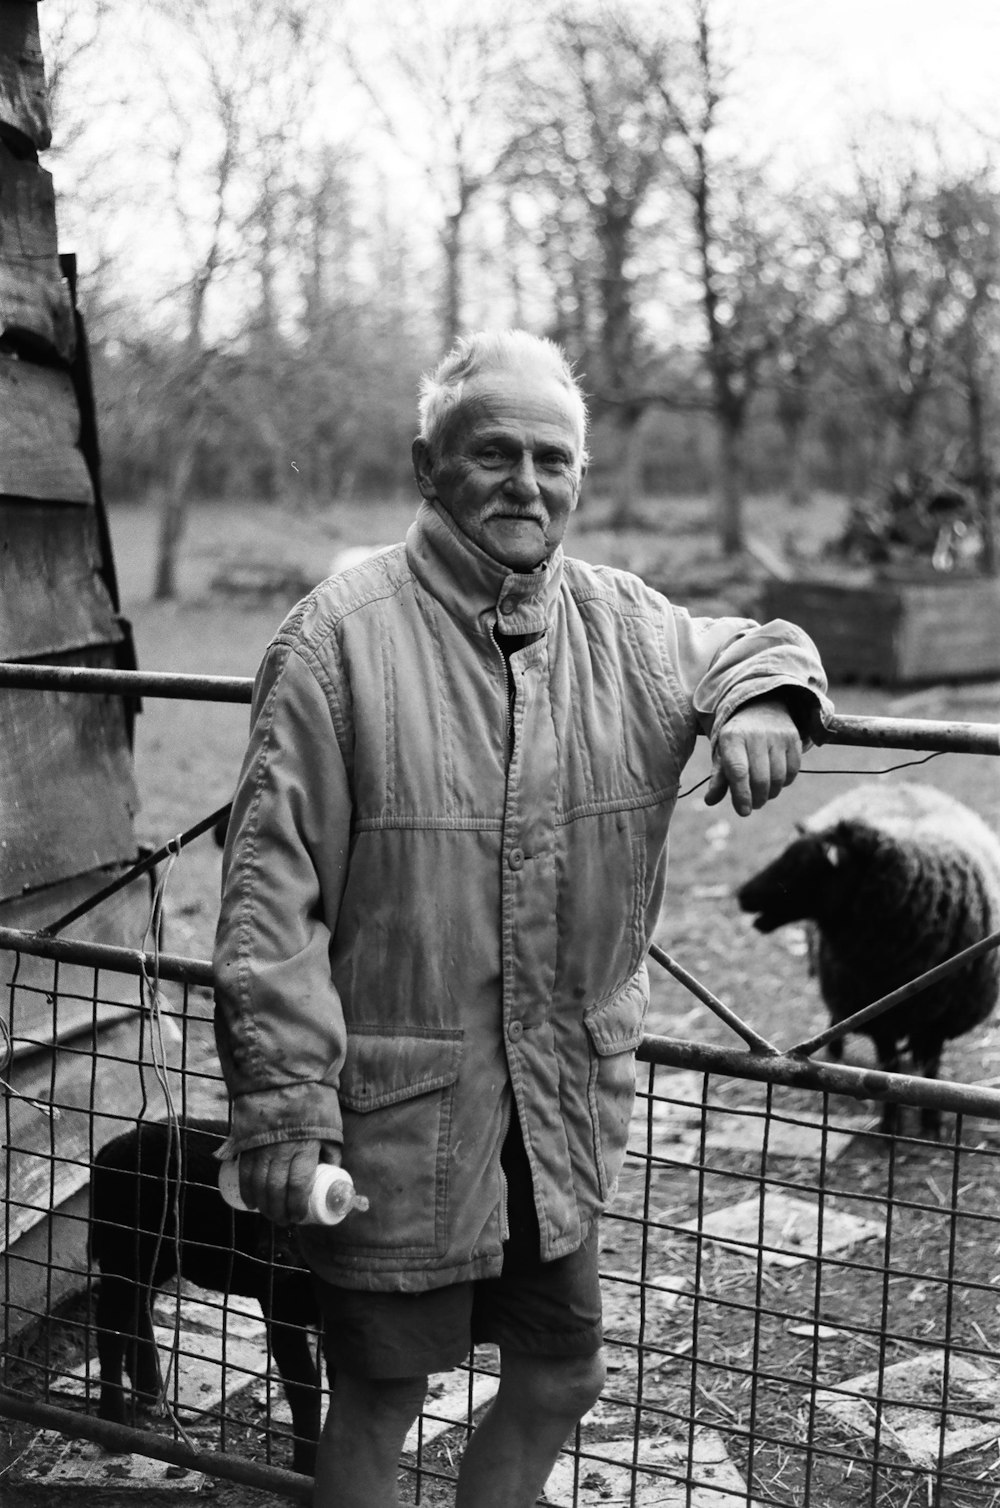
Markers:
<point>791,1069</point>
<point>944,736</point>
<point>143,1442</point>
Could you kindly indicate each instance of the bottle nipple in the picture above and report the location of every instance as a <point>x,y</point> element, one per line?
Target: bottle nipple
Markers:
<point>332,1196</point>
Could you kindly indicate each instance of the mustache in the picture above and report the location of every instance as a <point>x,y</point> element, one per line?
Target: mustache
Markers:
<point>510,510</point>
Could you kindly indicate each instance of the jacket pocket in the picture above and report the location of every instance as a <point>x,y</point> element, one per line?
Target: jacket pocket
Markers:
<point>396,1093</point>
<point>615,1028</point>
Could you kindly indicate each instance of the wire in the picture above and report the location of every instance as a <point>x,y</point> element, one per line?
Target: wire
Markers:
<point>7,1057</point>
<point>150,989</point>
<point>905,765</point>
<point>142,866</point>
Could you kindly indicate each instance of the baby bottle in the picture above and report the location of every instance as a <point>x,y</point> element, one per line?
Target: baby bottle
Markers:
<point>331,1197</point>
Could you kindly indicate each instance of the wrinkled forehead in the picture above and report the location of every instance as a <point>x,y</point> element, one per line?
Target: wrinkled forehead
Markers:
<point>520,400</point>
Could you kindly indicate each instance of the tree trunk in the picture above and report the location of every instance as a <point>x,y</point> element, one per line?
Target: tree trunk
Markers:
<point>627,487</point>
<point>173,518</point>
<point>797,488</point>
<point>451,312</point>
<point>730,497</point>
<point>991,564</point>
<point>982,470</point>
<point>793,417</point>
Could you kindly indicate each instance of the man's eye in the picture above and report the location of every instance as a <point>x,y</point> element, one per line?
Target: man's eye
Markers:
<point>492,455</point>
<point>554,462</point>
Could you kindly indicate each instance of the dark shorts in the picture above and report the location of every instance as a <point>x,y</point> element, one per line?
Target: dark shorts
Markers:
<point>533,1307</point>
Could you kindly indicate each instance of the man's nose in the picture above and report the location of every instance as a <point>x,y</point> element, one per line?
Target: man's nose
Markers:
<point>522,481</point>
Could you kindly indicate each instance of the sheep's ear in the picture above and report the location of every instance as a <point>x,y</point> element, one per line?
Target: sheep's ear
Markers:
<point>831,852</point>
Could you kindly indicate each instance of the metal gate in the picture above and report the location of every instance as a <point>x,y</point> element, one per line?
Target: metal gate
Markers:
<point>798,1309</point>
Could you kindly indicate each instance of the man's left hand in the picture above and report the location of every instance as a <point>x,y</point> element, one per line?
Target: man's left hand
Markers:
<point>758,753</point>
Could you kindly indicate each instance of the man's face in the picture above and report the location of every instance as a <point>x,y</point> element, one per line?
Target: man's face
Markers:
<point>509,466</point>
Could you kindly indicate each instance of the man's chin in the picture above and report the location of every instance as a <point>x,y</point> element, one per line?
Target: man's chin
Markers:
<point>518,543</point>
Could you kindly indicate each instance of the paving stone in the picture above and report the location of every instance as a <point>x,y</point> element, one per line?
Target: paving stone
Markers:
<point>912,1413</point>
<point>652,1470</point>
<point>790,1228</point>
<point>81,1463</point>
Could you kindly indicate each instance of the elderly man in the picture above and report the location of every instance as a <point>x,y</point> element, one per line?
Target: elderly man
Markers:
<point>444,866</point>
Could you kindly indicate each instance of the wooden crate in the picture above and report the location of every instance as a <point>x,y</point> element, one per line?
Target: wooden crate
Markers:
<point>896,632</point>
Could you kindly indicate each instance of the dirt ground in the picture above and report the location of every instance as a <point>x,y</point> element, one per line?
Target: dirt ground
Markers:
<point>187,756</point>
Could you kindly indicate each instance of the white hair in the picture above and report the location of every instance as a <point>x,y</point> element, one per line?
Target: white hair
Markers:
<point>493,350</point>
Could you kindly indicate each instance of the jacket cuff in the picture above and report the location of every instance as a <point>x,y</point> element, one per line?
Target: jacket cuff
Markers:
<point>801,701</point>
<point>290,1112</point>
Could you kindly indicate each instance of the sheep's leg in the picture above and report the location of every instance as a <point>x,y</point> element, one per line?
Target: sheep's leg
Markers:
<point>146,1376</point>
<point>887,1053</point>
<point>927,1061</point>
<point>292,1348</point>
<point>141,1356</point>
<point>125,1336</point>
<point>112,1319</point>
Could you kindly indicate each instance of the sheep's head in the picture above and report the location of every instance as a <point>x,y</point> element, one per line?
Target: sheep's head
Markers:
<point>802,883</point>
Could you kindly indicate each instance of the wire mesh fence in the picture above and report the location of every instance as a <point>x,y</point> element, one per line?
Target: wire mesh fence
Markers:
<point>798,1309</point>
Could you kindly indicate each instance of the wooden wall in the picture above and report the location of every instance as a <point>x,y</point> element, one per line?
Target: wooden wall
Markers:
<point>68,798</point>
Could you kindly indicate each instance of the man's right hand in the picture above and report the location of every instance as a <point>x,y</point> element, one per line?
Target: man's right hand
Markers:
<point>276,1179</point>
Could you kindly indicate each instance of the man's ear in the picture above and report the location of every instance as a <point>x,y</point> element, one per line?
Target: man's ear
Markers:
<point>423,467</point>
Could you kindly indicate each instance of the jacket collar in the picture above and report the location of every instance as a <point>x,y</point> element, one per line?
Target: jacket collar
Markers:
<point>474,587</point>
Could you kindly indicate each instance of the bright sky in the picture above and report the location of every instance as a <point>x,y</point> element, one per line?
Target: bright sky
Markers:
<point>811,75</point>
<point>824,65</point>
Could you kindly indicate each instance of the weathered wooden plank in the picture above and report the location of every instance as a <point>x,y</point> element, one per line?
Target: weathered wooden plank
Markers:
<point>98,1090</point>
<point>23,100</point>
<point>54,1002</point>
<point>46,1265</point>
<point>35,308</point>
<point>52,596</point>
<point>68,796</point>
<point>40,456</point>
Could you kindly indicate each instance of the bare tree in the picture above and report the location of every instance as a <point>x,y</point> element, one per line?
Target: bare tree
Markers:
<point>74,33</point>
<point>899,290</point>
<point>585,183</point>
<point>807,312</point>
<point>244,74</point>
<point>968,230</point>
<point>731,239</point>
<point>444,85</point>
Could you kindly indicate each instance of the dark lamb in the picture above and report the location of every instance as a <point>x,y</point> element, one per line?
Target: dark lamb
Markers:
<point>893,879</point>
<point>135,1190</point>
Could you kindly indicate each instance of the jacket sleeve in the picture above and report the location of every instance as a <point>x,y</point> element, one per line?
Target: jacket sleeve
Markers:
<point>279,1023</point>
<point>724,662</point>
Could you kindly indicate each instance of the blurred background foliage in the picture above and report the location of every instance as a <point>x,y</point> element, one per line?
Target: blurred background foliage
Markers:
<point>286,211</point>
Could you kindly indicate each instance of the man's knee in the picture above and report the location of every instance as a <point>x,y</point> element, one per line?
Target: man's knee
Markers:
<point>562,1386</point>
<point>378,1404</point>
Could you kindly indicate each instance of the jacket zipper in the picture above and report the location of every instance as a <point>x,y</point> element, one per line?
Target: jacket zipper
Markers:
<point>505,1127</point>
<point>504,1215</point>
<point>511,692</point>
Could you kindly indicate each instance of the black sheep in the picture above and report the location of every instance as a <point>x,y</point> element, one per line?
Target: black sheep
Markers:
<point>893,882</point>
<point>148,1224</point>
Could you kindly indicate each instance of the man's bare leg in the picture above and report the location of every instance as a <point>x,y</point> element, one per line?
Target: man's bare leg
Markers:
<point>357,1462</point>
<point>540,1401</point>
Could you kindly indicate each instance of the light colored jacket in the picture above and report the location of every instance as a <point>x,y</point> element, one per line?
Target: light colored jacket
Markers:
<point>442,876</point>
